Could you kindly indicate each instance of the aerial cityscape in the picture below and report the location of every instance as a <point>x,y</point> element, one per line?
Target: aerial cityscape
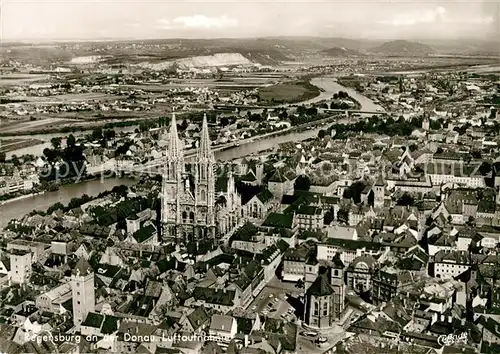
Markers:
<point>249,177</point>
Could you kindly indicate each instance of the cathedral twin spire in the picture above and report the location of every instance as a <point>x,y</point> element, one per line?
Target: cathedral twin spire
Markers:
<point>175,150</point>
<point>205,152</point>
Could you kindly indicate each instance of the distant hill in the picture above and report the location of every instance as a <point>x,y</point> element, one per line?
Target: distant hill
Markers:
<point>204,61</point>
<point>341,52</point>
<point>403,48</point>
<point>465,47</point>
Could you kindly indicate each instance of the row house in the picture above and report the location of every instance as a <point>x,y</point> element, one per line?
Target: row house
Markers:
<point>421,185</point>
<point>389,282</point>
<point>467,175</point>
<point>348,250</point>
<point>309,218</point>
<point>53,299</point>
<point>449,264</point>
<point>295,261</point>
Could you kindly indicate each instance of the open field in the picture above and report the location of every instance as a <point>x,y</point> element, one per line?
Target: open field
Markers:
<point>289,92</point>
<point>7,145</point>
<point>235,83</point>
<point>20,79</point>
<point>68,98</point>
<point>23,126</point>
<point>82,97</point>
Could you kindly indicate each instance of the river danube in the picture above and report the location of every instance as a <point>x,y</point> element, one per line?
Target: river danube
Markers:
<point>21,207</point>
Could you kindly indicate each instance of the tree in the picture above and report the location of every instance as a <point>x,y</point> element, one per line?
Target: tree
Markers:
<point>354,191</point>
<point>56,142</point>
<point>329,217</point>
<point>121,190</point>
<point>96,134</point>
<point>302,183</point>
<point>56,206</point>
<point>224,121</point>
<point>406,200</point>
<point>71,141</point>
<point>109,134</point>
<point>255,117</point>
<point>476,154</point>
<point>3,156</point>
<point>184,124</point>
<point>312,111</point>
<point>15,160</point>
<point>321,134</point>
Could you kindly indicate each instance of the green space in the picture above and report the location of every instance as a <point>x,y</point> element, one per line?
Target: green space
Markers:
<point>288,92</point>
<point>16,144</point>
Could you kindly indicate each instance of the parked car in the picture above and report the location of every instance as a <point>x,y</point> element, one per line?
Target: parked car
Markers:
<point>311,334</point>
<point>321,340</point>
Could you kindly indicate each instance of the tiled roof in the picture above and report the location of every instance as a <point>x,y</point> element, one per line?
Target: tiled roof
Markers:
<point>93,320</point>
<point>321,286</point>
<point>265,196</point>
<point>82,268</point>
<point>198,317</point>
<point>279,220</point>
<point>215,296</point>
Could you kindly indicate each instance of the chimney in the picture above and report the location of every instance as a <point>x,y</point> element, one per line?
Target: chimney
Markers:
<point>246,341</point>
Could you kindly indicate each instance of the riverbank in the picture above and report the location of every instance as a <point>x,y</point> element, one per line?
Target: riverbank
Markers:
<point>21,197</point>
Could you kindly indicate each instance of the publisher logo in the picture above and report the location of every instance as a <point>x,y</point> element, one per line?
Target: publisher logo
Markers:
<point>452,339</point>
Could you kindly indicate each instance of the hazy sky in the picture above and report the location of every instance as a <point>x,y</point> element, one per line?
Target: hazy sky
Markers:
<point>391,19</point>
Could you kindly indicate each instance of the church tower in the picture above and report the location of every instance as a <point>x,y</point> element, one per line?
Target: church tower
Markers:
<point>188,191</point>
<point>83,292</point>
<point>171,183</point>
<point>379,191</point>
<point>426,122</point>
<point>205,183</point>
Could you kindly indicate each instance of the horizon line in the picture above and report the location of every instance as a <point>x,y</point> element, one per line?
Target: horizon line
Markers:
<point>276,37</point>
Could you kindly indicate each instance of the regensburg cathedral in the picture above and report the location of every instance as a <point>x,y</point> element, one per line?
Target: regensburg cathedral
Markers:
<point>193,209</point>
